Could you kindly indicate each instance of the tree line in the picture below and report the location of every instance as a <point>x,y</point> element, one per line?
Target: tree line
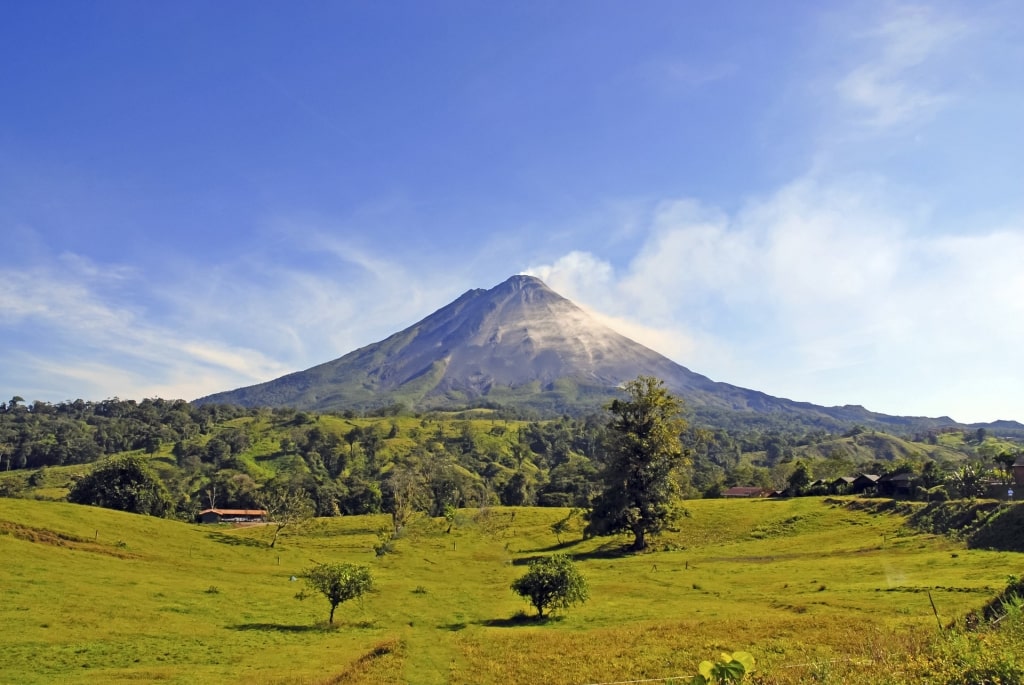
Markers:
<point>230,457</point>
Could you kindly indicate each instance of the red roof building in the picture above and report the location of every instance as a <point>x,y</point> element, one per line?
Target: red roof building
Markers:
<point>232,516</point>
<point>741,491</point>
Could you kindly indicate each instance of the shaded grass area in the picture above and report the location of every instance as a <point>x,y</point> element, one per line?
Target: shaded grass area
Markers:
<point>983,524</point>
<point>805,581</point>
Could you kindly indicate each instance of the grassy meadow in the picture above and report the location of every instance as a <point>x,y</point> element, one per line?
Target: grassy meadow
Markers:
<point>816,591</point>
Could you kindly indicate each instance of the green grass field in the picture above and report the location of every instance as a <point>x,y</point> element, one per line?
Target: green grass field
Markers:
<point>814,590</point>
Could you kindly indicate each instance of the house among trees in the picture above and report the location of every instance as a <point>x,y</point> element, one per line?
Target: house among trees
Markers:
<point>895,485</point>
<point>841,485</point>
<point>740,491</point>
<point>863,483</point>
<point>232,516</point>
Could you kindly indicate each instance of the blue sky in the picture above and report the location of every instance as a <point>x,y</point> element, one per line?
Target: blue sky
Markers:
<point>826,204</point>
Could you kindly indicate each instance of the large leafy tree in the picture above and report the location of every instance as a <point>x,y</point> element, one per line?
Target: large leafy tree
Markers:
<point>124,483</point>
<point>552,583</point>
<point>642,457</point>
<point>339,582</point>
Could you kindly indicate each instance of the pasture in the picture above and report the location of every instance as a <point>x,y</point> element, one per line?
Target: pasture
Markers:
<point>814,590</point>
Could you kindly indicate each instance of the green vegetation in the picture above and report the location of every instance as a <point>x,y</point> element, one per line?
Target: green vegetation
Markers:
<point>285,507</point>
<point>552,583</point>
<point>124,483</point>
<point>214,456</point>
<point>642,463</point>
<point>730,668</point>
<point>985,524</point>
<point>438,510</point>
<point>815,590</point>
<point>338,583</point>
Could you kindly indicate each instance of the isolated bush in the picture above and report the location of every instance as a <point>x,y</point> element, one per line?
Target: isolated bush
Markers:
<point>338,582</point>
<point>552,583</point>
<point>385,541</point>
<point>38,478</point>
<point>12,487</point>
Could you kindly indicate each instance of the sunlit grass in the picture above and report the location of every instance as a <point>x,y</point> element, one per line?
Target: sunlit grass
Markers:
<point>801,584</point>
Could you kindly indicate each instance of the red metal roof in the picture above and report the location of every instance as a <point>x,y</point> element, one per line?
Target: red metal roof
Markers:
<point>741,491</point>
<point>234,512</point>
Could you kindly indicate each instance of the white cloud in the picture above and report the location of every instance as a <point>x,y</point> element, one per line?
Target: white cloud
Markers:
<point>575,272</point>
<point>823,293</point>
<point>893,84</point>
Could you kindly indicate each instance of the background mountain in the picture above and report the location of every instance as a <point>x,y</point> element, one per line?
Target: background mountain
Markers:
<point>521,345</point>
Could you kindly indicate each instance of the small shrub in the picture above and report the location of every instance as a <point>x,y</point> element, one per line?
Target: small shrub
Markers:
<point>385,541</point>
<point>552,583</point>
<point>339,582</point>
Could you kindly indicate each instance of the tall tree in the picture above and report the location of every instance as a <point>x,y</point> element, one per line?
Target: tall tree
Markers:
<point>404,494</point>
<point>798,481</point>
<point>642,457</point>
<point>286,507</point>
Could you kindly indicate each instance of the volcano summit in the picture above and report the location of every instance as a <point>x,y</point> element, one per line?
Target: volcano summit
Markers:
<point>519,344</point>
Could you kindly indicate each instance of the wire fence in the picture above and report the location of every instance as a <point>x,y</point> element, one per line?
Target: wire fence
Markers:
<point>688,678</point>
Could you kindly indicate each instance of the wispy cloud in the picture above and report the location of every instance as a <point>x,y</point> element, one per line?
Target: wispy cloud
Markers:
<point>893,84</point>
<point>677,75</point>
<point>203,328</point>
<point>94,342</point>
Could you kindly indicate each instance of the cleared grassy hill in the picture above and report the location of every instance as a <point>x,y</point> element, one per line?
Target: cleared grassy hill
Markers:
<point>874,446</point>
<point>806,586</point>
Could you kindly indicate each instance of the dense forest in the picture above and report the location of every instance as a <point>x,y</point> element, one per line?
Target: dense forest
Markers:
<point>230,457</point>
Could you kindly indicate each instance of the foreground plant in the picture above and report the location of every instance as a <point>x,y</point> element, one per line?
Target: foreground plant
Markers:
<point>730,668</point>
<point>985,647</point>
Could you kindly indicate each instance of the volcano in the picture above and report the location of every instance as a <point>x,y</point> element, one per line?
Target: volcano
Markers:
<point>522,345</point>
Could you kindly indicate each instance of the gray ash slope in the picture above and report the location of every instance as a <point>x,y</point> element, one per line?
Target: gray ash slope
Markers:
<point>520,344</point>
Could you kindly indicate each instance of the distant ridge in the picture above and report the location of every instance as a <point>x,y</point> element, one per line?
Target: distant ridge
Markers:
<point>520,344</point>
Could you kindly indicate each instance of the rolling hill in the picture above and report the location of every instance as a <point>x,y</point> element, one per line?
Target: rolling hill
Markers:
<point>93,595</point>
